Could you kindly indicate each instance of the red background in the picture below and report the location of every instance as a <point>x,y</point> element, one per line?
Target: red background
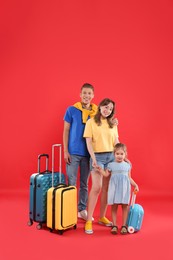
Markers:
<point>49,49</point>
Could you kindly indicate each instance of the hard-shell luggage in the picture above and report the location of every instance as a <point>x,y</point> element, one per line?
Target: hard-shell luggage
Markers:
<point>40,182</point>
<point>135,216</point>
<point>62,208</point>
<point>61,205</point>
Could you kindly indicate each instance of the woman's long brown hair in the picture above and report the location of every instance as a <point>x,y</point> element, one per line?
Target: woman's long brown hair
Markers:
<point>97,117</point>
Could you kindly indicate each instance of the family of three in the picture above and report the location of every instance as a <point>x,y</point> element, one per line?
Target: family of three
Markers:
<point>91,144</point>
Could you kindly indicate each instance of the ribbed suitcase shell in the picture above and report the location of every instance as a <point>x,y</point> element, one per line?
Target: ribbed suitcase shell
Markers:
<point>39,184</point>
<point>135,217</point>
<point>62,208</point>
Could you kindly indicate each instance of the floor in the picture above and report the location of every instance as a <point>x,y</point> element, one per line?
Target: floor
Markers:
<point>19,241</point>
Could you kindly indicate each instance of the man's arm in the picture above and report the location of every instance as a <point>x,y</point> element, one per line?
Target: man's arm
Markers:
<point>65,142</point>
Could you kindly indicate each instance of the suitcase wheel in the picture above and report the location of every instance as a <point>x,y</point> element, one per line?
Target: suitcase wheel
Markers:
<point>51,230</point>
<point>30,222</point>
<point>75,226</point>
<point>60,232</point>
<point>131,229</point>
<point>39,226</point>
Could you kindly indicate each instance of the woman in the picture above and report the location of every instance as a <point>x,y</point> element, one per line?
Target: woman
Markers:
<point>101,135</point>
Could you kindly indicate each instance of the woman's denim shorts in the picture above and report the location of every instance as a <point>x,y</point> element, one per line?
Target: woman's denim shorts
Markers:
<point>103,159</point>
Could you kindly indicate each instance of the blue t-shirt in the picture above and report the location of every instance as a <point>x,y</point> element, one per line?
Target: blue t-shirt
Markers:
<point>77,143</point>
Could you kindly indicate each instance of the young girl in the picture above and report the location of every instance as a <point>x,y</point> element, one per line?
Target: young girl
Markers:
<point>119,186</point>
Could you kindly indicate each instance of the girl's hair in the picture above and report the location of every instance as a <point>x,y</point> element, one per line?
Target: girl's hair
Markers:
<point>97,117</point>
<point>121,146</point>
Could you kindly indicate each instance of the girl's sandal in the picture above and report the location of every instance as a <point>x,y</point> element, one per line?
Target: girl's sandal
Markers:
<point>114,230</point>
<point>124,230</point>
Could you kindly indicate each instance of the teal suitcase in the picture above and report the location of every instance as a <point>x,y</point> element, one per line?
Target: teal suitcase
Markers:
<point>40,182</point>
<point>135,216</point>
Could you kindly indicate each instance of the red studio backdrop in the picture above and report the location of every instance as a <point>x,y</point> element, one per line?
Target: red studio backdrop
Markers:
<point>48,49</point>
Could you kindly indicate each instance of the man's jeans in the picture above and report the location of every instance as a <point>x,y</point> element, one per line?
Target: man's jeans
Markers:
<point>72,172</point>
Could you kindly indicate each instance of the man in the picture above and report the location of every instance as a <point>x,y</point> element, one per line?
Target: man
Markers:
<point>75,150</point>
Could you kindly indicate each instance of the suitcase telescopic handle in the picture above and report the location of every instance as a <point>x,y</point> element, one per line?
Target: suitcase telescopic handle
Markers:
<point>133,198</point>
<point>39,161</point>
<point>53,162</point>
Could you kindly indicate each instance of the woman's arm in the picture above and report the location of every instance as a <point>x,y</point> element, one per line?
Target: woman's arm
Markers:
<point>91,151</point>
<point>127,160</point>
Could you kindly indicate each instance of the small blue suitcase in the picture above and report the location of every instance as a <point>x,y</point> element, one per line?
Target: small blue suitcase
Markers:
<point>135,216</point>
<point>39,184</point>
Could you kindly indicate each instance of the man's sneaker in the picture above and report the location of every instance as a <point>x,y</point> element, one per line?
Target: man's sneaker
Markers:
<point>88,227</point>
<point>104,221</point>
<point>83,214</point>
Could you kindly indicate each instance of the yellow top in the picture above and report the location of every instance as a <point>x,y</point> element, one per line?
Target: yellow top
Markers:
<point>103,137</point>
<point>85,112</point>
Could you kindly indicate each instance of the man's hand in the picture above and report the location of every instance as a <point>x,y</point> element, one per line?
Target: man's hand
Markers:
<point>67,157</point>
<point>115,121</point>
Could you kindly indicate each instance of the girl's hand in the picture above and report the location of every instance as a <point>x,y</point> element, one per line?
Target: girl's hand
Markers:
<point>98,169</point>
<point>136,189</point>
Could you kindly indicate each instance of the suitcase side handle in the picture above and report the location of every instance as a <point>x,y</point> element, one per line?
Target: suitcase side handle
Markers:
<point>39,161</point>
<point>53,162</point>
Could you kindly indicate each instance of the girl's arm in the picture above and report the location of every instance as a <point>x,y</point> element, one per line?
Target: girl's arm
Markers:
<point>133,183</point>
<point>90,150</point>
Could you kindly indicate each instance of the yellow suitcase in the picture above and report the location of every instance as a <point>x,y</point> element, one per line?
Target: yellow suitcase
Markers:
<point>61,203</point>
<point>62,208</point>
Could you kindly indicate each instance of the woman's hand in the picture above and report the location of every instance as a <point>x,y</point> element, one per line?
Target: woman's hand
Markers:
<point>94,164</point>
